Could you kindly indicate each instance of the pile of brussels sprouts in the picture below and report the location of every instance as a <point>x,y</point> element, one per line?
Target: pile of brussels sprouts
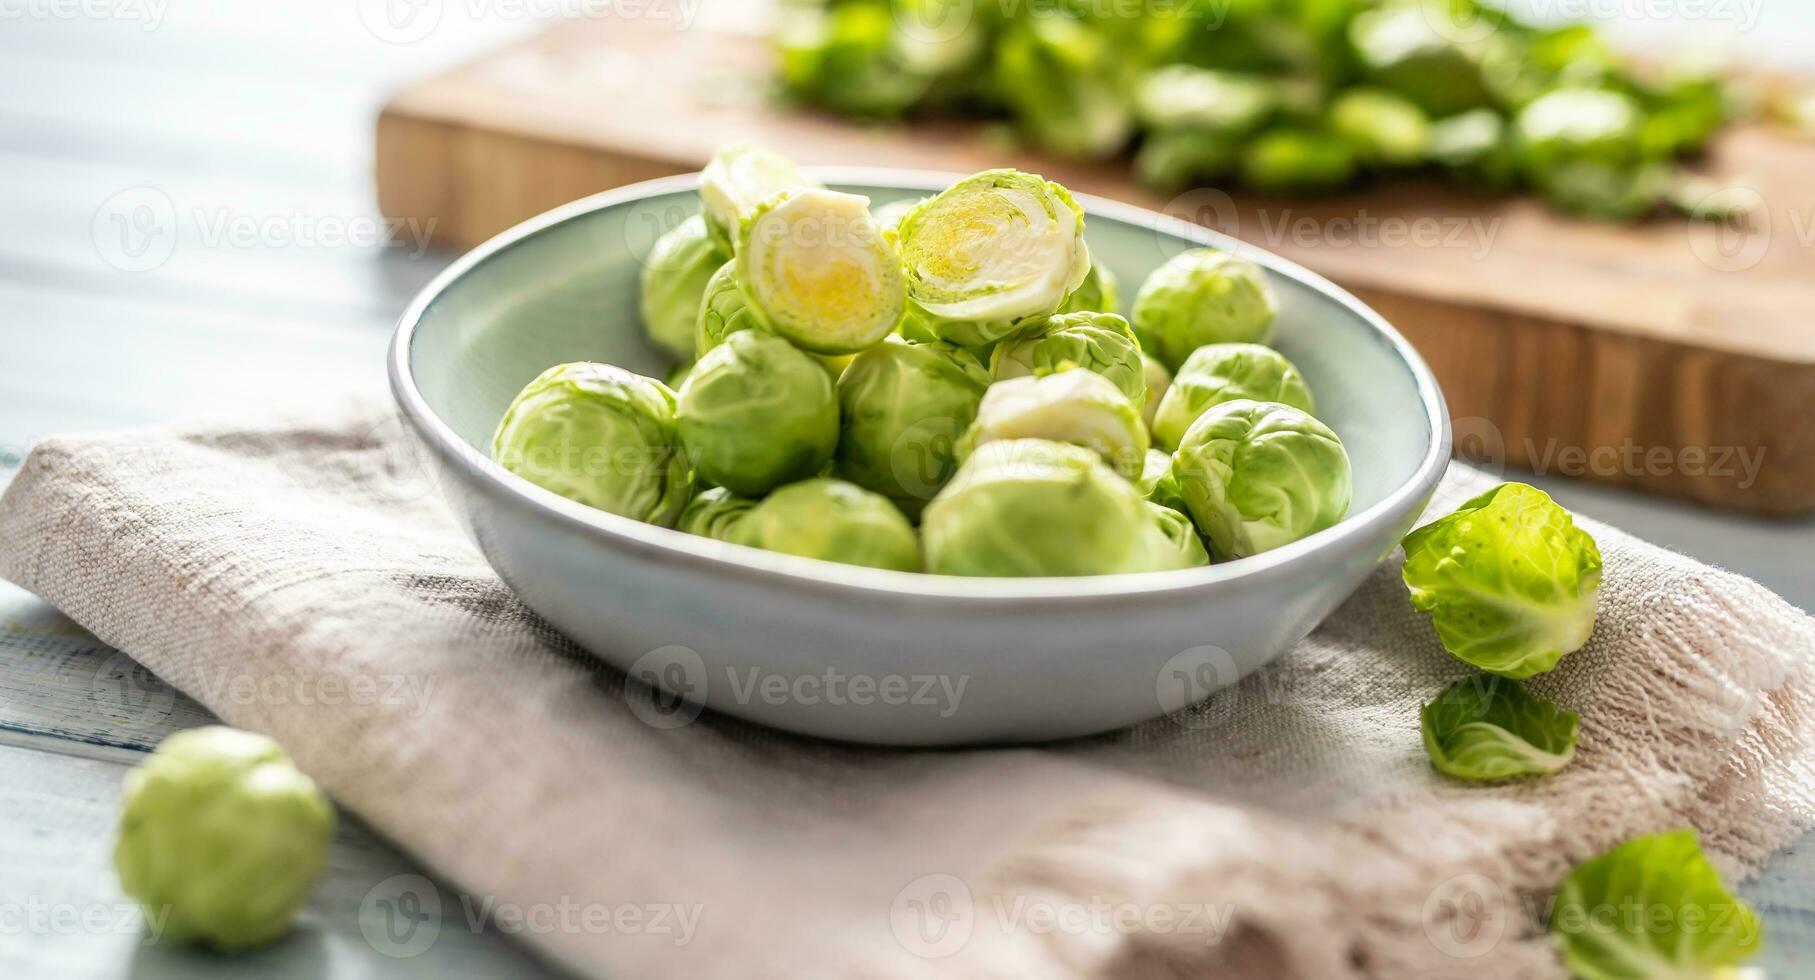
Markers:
<point>1289,96</point>
<point>938,386</point>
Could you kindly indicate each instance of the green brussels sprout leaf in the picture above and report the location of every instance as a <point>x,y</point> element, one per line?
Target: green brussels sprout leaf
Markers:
<point>1486,728</point>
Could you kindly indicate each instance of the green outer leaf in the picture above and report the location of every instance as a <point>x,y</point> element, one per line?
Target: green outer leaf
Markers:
<point>1485,728</point>
<point>1508,579</point>
<point>1652,908</point>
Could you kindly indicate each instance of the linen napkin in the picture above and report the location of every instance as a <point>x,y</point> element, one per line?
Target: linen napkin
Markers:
<point>1288,827</point>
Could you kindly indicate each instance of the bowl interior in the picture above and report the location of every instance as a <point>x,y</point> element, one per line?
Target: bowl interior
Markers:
<point>568,292</point>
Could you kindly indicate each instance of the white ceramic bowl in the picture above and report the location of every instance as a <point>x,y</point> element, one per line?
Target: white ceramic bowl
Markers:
<point>864,654</point>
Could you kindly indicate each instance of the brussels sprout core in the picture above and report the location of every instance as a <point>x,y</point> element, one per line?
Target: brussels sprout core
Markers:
<point>1075,406</point>
<point>817,269</point>
<point>221,838</point>
<point>1258,475</point>
<point>991,251</point>
<point>600,435</point>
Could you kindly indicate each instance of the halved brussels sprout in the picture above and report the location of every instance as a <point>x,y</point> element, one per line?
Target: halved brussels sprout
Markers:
<point>1098,293</point>
<point>1158,381</point>
<point>1258,475</point>
<point>600,435</point>
<point>1217,373</point>
<point>674,279</point>
<point>1178,530</point>
<point>1074,406</point>
<point>756,413</point>
<point>833,521</point>
<point>1382,127</point>
<point>714,513</point>
<point>901,409</point>
<point>1508,579</point>
<point>991,252</point>
<point>737,181</point>
<point>1102,343</point>
<point>814,266</point>
<point>1032,507</point>
<point>1200,297</point>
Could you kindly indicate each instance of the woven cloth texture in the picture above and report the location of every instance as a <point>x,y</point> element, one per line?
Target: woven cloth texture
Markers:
<point>1289,826</point>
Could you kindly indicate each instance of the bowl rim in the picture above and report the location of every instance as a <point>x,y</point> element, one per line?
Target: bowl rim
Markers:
<point>729,560</point>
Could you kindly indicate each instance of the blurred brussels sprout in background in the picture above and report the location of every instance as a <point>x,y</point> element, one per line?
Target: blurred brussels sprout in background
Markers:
<point>1476,148</point>
<point>1200,297</point>
<point>1157,381</point>
<point>1580,148</point>
<point>1032,507</point>
<point>674,279</point>
<point>816,269</point>
<point>1218,373</point>
<point>847,57</point>
<point>1186,97</point>
<point>757,413</point>
<point>991,252</point>
<point>739,179</point>
<point>901,409</point>
<point>1429,51</point>
<point>1509,581</point>
<point>600,435</point>
<point>1182,534</point>
<point>1098,293</point>
<point>831,520</point>
<point>1102,343</point>
<point>221,837</point>
<point>714,513</point>
<point>1172,160</point>
<point>1258,475</point>
<point>1075,406</point>
<point>1066,83</point>
<point>1298,161</point>
<point>1381,127</point>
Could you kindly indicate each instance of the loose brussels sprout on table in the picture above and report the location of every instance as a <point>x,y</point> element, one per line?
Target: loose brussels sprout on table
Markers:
<point>600,435</point>
<point>1258,475</point>
<point>1030,507</point>
<point>991,253</point>
<point>1202,297</point>
<point>964,371</point>
<point>221,838</point>
<point>902,407</point>
<point>757,413</point>
<point>1074,406</point>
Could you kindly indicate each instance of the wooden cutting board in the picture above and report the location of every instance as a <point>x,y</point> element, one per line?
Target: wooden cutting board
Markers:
<point>1674,357</point>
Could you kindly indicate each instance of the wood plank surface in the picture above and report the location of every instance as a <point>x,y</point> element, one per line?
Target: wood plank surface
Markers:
<point>1561,336</point>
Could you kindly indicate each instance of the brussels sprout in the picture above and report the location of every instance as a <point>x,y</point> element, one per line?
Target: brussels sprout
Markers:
<point>848,57</point>
<point>1171,160</point>
<point>673,281</point>
<point>600,435</point>
<point>1594,189</point>
<point>738,180</point>
<point>1382,127</point>
<point>714,513</point>
<point>1417,49</point>
<point>1476,148</point>
<point>722,311</point>
<point>756,414</point>
<point>1039,508</point>
<point>816,269</point>
<point>833,521</point>
<point>1486,728</point>
<point>1098,293</point>
<point>1581,148</point>
<point>1188,548</point>
<point>1075,406</point>
<point>1186,97</point>
<point>678,376</point>
<point>1217,373</point>
<point>901,409</point>
<point>1202,297</point>
<point>1158,381</point>
<point>221,837</point>
<point>1508,580</point>
<point>1258,475</point>
<point>991,252</point>
<point>1297,161</point>
<point>1066,84</point>
<point>1098,342</point>
<point>1155,466</point>
<point>1651,908</point>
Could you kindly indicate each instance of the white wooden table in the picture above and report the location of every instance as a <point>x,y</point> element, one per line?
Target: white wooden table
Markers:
<point>171,175</point>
